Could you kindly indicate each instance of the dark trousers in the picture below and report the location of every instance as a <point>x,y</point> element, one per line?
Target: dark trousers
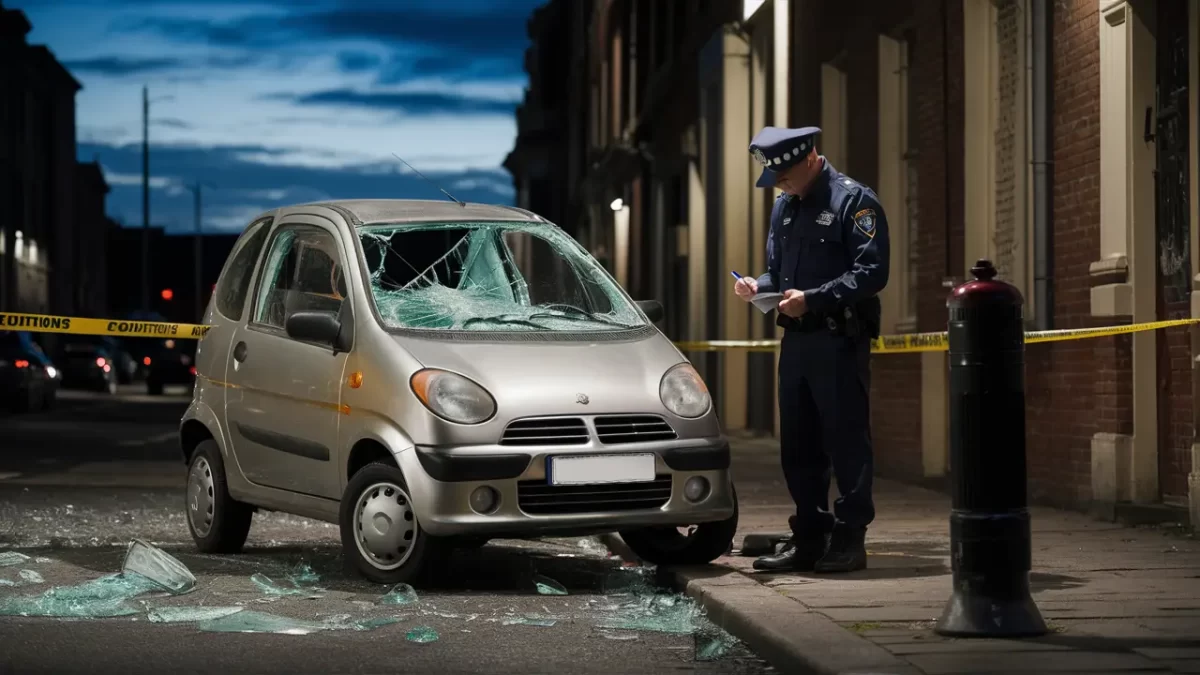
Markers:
<point>824,425</point>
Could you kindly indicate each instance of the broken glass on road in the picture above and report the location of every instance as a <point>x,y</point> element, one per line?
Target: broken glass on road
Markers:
<point>490,277</point>
<point>158,566</point>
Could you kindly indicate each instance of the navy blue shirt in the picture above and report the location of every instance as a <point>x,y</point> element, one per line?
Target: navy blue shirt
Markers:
<point>832,244</point>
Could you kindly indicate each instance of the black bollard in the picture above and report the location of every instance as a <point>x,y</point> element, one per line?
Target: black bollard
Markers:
<point>990,539</point>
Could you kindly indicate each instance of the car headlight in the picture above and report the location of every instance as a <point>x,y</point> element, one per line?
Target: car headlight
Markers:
<point>683,392</point>
<point>453,397</point>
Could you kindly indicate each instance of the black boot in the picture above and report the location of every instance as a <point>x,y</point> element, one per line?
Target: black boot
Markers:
<point>797,555</point>
<point>847,551</point>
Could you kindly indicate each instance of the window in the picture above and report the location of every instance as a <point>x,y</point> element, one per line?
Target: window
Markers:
<point>234,284</point>
<point>490,277</point>
<point>301,275</point>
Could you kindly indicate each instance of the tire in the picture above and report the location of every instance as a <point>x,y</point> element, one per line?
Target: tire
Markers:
<point>229,525</point>
<point>666,546</point>
<point>373,487</point>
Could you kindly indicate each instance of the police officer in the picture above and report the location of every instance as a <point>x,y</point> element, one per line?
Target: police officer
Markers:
<point>827,253</point>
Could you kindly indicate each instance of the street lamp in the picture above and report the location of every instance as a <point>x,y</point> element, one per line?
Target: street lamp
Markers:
<point>146,194</point>
<point>197,249</point>
<point>617,204</point>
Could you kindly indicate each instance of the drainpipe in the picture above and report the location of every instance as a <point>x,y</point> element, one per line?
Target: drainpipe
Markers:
<point>1043,256</point>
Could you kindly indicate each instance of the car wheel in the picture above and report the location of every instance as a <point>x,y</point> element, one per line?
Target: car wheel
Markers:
<point>701,545</point>
<point>382,539</point>
<point>218,522</point>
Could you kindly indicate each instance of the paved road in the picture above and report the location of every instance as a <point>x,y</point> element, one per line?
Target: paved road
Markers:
<point>78,483</point>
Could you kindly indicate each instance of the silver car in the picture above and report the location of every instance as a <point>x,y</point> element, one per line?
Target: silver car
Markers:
<point>430,375</point>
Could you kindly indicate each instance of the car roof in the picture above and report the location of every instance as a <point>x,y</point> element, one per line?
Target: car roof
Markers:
<point>370,211</point>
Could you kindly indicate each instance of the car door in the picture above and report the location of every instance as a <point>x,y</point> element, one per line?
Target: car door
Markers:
<point>284,399</point>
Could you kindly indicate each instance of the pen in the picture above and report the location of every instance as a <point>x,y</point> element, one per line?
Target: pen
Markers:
<point>735,274</point>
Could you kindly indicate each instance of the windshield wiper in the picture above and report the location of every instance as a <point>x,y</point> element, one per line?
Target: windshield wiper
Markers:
<point>504,320</point>
<point>585,316</point>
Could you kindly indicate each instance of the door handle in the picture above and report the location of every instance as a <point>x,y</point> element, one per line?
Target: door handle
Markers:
<point>239,352</point>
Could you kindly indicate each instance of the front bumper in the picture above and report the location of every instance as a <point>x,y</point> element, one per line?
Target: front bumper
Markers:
<point>442,480</point>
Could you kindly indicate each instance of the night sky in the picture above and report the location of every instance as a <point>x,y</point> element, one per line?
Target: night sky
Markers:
<point>288,101</point>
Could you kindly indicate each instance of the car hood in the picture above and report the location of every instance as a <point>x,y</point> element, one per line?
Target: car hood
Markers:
<point>536,378</point>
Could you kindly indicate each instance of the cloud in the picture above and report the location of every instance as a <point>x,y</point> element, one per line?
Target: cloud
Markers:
<point>172,122</point>
<point>245,187</point>
<point>120,66</point>
<point>357,62</point>
<point>405,102</point>
<point>456,41</point>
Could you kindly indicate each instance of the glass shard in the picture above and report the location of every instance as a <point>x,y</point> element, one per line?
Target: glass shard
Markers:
<point>32,577</point>
<point>6,582</point>
<point>422,634</point>
<point>301,579</point>
<point>401,594</point>
<point>659,613</point>
<point>101,597</point>
<point>158,566</point>
<point>10,558</point>
<point>713,646</point>
<point>547,586</point>
<point>544,622</point>
<point>248,621</point>
<point>189,614</point>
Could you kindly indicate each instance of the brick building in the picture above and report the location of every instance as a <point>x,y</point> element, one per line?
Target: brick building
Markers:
<point>53,227</point>
<point>1058,139</point>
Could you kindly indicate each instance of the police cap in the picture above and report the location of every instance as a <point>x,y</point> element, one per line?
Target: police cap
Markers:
<point>780,149</point>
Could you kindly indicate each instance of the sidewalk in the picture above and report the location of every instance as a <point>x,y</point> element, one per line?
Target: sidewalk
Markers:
<point>1117,599</point>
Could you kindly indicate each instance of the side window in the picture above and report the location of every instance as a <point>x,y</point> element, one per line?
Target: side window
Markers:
<point>303,272</point>
<point>234,285</point>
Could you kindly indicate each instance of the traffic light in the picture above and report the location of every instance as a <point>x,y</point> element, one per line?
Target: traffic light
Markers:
<point>167,294</point>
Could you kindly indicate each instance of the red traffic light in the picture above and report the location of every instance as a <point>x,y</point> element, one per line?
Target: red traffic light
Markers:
<point>167,294</point>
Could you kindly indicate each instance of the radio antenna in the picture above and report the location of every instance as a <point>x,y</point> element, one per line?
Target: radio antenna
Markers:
<point>439,187</point>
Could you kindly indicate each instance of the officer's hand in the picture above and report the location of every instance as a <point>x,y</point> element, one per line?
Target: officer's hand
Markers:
<point>793,304</point>
<point>745,288</point>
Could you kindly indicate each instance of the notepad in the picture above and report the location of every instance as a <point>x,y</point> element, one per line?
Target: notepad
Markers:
<point>765,302</point>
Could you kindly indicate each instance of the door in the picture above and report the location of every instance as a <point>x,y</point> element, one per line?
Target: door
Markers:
<point>1173,249</point>
<point>284,403</point>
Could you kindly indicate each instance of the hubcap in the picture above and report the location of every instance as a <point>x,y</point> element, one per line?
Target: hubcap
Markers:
<point>384,526</point>
<point>201,500</point>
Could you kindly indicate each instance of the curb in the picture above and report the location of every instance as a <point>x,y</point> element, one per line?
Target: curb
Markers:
<point>789,635</point>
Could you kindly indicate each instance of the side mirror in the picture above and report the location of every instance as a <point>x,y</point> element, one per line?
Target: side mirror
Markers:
<point>320,327</point>
<point>653,310</point>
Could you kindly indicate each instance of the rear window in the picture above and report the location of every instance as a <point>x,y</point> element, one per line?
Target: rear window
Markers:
<point>234,285</point>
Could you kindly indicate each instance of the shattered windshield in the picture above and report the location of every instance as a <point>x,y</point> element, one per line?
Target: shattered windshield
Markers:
<point>490,277</point>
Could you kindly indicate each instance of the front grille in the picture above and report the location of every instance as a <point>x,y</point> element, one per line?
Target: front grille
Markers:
<point>614,429</point>
<point>546,431</point>
<point>537,498</point>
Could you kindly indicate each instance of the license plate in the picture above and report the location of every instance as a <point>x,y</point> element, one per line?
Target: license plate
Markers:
<point>597,469</point>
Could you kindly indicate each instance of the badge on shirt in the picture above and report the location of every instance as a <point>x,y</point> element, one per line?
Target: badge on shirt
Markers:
<point>825,218</point>
<point>787,220</point>
<point>865,221</point>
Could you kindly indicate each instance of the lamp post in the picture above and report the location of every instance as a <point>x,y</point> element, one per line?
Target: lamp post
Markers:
<point>146,195</point>
<point>198,249</point>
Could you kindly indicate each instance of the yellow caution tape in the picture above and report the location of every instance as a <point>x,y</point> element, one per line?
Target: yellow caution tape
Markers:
<point>42,323</point>
<point>938,342</point>
<point>886,344</point>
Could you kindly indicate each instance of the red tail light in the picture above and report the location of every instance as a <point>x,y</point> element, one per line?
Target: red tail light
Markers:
<point>193,369</point>
<point>21,363</point>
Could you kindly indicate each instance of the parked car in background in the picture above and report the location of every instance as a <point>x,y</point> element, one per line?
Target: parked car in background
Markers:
<point>28,379</point>
<point>88,364</point>
<point>170,362</point>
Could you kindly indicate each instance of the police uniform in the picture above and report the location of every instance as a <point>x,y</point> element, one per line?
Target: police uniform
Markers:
<point>832,244</point>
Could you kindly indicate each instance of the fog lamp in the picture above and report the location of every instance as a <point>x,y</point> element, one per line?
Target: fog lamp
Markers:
<point>695,489</point>
<point>484,500</point>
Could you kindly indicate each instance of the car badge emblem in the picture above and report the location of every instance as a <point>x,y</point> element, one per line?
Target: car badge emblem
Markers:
<point>582,399</point>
